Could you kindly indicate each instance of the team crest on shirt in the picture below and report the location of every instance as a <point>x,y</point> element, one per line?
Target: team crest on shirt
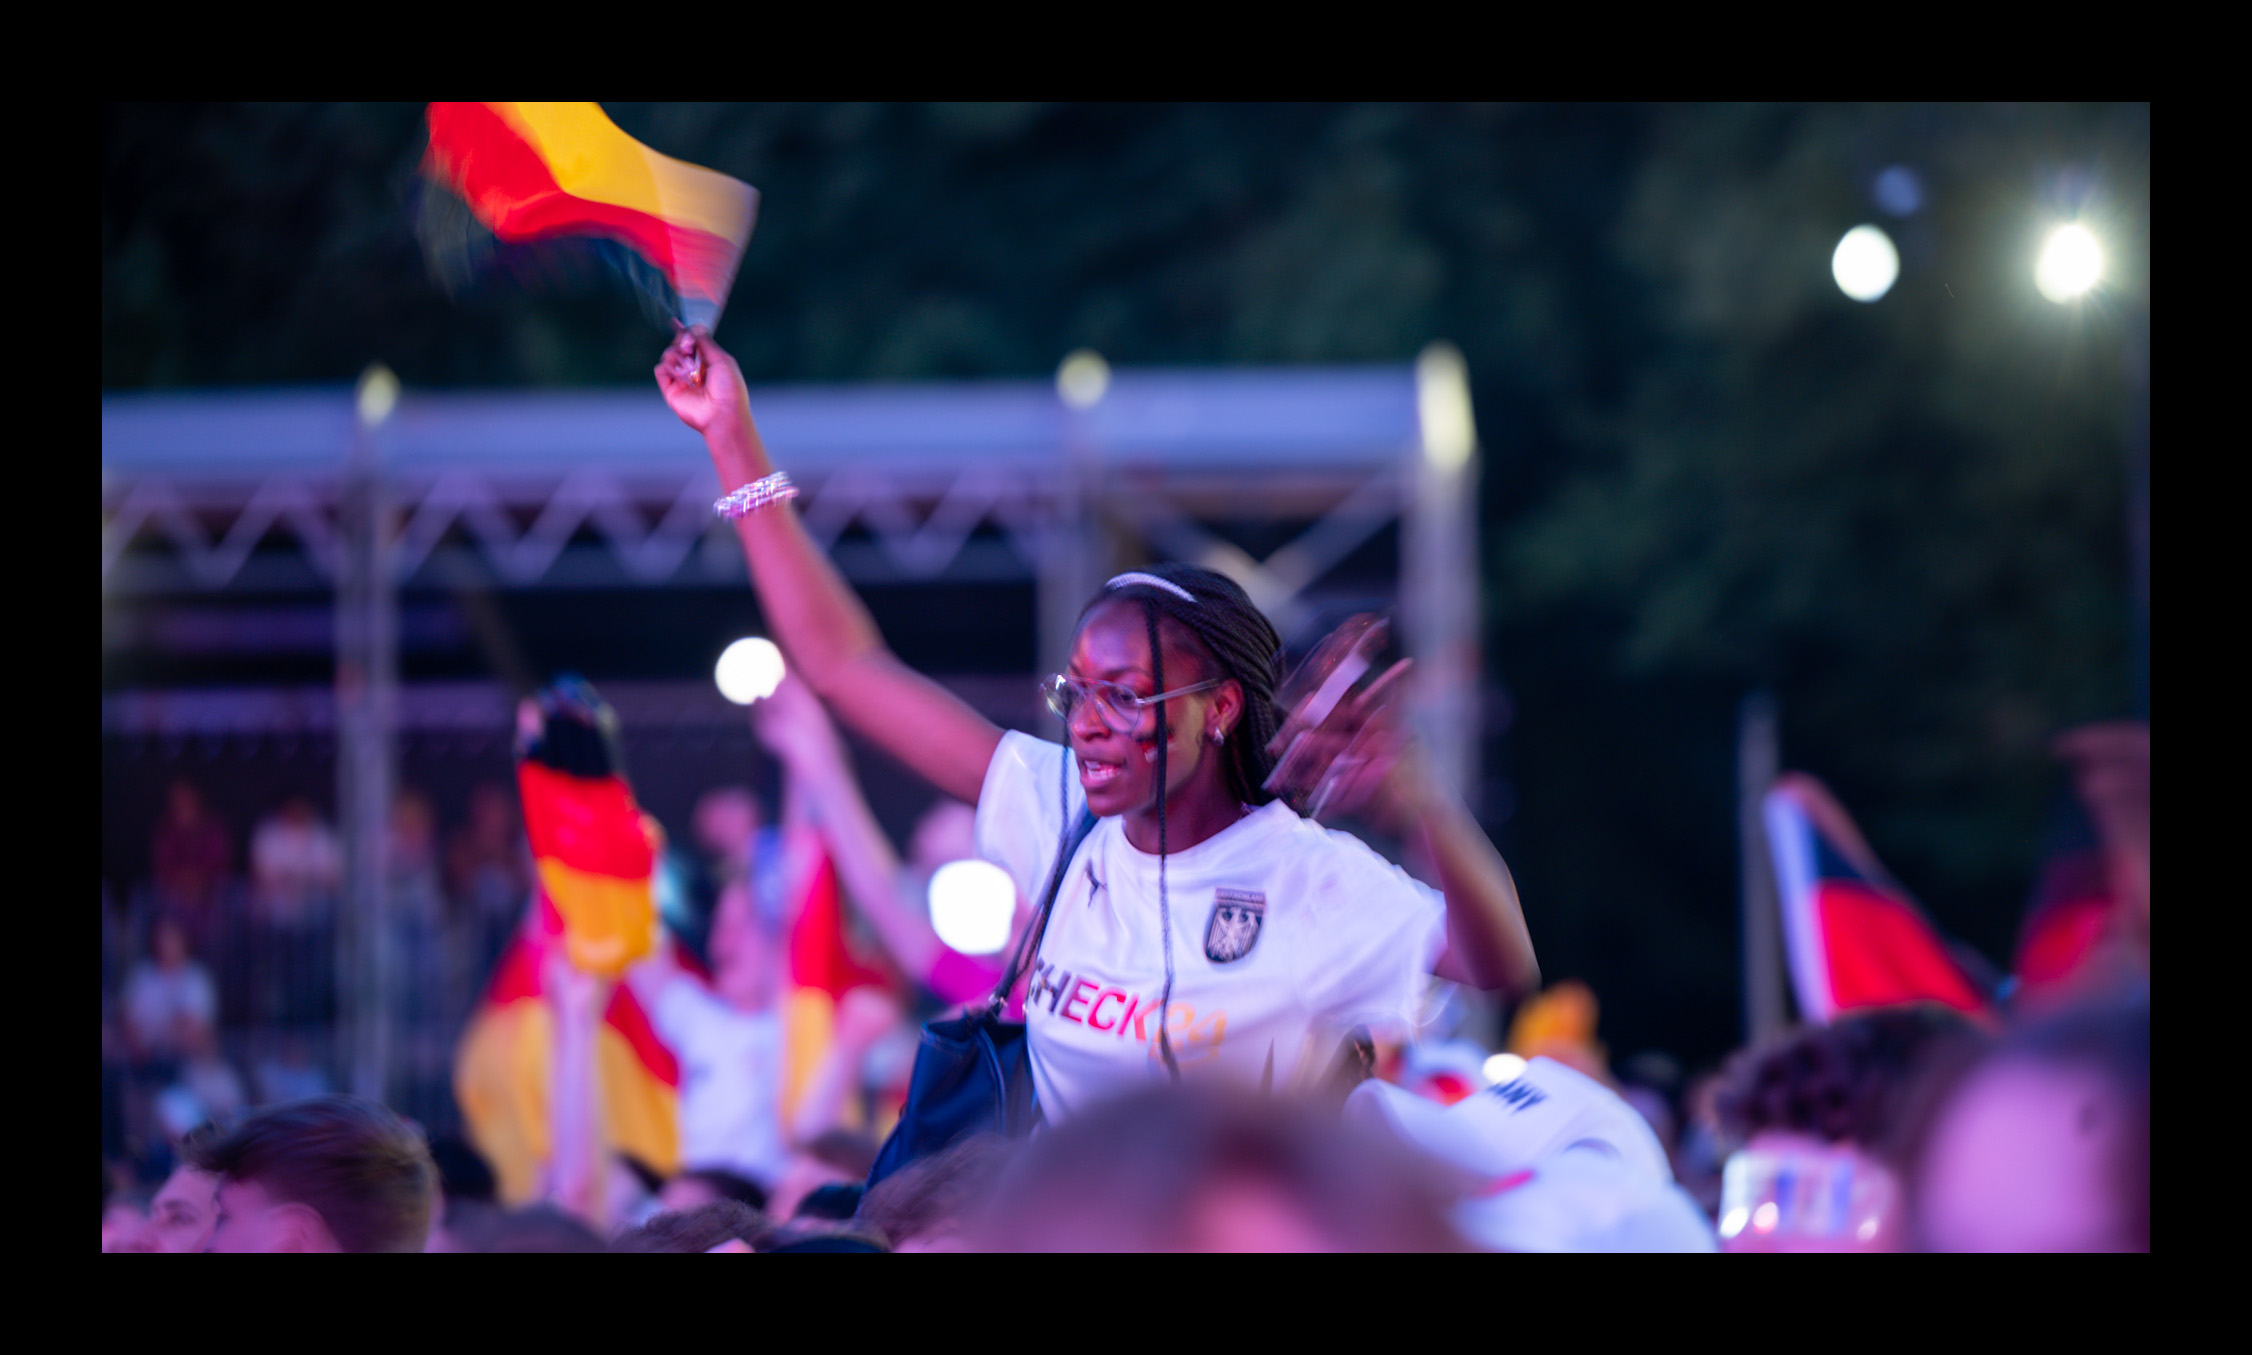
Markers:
<point>1234,928</point>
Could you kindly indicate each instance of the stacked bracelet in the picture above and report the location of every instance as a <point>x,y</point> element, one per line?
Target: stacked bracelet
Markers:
<point>757,494</point>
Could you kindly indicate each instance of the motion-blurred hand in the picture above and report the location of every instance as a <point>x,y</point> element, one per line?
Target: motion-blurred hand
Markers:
<point>702,383</point>
<point>1340,751</point>
<point>793,725</point>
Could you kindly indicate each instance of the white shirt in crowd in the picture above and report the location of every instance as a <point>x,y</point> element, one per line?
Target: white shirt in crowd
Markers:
<point>157,1000</point>
<point>1285,936</point>
<point>295,865</point>
<point>730,1080</point>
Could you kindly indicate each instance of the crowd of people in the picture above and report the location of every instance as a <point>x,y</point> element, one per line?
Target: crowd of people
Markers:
<point>1243,1029</point>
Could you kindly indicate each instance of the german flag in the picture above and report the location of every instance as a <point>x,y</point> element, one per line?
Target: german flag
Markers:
<point>535,171</point>
<point>823,968</point>
<point>596,860</point>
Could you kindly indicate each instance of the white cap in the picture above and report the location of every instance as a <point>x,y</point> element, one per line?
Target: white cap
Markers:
<point>1546,1110</point>
<point>1552,1160</point>
<point>1581,1202</point>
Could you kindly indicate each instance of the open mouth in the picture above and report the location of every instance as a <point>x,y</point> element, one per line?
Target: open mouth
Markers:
<point>1093,774</point>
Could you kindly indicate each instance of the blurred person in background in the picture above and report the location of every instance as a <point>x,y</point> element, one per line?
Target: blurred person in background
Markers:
<point>1821,1124</point>
<point>889,894</point>
<point>2087,934</point>
<point>2044,1146</point>
<point>726,824</point>
<point>336,1174</point>
<point>1172,725</point>
<point>170,1004</point>
<point>192,855</point>
<point>488,875</point>
<point>1207,1168</point>
<point>296,868</point>
<point>296,863</point>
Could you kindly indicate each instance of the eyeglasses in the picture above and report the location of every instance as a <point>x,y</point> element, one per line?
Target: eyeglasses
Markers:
<point>1118,706</point>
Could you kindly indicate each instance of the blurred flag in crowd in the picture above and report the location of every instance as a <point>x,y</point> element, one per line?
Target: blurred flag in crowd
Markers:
<point>1855,939</point>
<point>596,856</point>
<point>539,171</point>
<point>823,969</point>
<point>1560,1024</point>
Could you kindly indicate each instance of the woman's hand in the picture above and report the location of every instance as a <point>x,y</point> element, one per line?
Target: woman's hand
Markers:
<point>703,385</point>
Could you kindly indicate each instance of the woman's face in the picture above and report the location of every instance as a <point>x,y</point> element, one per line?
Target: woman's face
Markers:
<point>1119,771</point>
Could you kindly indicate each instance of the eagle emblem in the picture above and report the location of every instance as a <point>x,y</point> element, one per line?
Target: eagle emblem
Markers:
<point>1234,928</point>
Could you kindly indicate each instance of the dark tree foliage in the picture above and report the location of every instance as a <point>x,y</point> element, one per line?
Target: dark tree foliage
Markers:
<point>1706,470</point>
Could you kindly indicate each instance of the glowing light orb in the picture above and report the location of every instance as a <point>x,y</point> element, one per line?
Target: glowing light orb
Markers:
<point>1503,1068</point>
<point>749,669</point>
<point>1865,263</point>
<point>377,395</point>
<point>1082,379</point>
<point>973,904</point>
<point>2070,266</point>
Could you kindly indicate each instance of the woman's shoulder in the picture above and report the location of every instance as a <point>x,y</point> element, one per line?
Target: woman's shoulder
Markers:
<point>1301,844</point>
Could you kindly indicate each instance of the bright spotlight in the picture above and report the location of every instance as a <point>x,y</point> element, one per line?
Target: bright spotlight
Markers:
<point>1865,263</point>
<point>749,669</point>
<point>2070,266</point>
<point>1503,1068</point>
<point>973,904</point>
<point>1082,379</point>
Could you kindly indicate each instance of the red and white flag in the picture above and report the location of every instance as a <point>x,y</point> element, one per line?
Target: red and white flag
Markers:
<point>1854,937</point>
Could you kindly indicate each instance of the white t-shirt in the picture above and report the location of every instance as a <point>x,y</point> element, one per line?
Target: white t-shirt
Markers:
<point>1285,936</point>
<point>730,1080</point>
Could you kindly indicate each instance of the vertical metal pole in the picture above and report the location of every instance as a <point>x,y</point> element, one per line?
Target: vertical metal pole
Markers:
<point>367,675</point>
<point>1439,574</point>
<point>1758,761</point>
<point>1072,554</point>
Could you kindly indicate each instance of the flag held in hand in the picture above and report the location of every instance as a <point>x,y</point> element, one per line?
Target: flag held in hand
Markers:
<point>536,171</point>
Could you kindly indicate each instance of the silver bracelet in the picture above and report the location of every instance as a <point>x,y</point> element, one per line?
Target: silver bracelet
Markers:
<point>773,489</point>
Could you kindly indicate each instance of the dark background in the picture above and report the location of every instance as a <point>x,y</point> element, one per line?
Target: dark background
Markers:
<point>1705,470</point>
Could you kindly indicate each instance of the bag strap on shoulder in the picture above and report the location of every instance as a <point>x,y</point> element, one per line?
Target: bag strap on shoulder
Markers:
<point>1028,945</point>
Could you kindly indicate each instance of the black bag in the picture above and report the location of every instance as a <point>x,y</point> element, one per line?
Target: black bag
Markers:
<point>973,1074</point>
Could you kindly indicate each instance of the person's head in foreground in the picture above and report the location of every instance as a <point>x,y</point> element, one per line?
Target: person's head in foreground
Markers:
<point>2045,1145</point>
<point>1207,1169</point>
<point>334,1173</point>
<point>721,1225</point>
<point>1820,1123</point>
<point>180,1216</point>
<point>929,1205</point>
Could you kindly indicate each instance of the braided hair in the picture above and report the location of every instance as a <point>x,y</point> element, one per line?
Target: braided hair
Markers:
<point>1213,613</point>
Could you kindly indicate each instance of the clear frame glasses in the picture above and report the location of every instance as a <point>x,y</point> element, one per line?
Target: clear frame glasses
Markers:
<point>1119,707</point>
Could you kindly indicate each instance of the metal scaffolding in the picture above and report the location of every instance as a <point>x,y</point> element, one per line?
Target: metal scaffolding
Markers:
<point>291,492</point>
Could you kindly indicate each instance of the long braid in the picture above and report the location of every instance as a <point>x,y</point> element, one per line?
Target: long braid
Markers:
<point>1164,901</point>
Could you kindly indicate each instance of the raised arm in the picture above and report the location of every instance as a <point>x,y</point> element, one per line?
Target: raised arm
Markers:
<point>1369,765</point>
<point>797,731</point>
<point>822,627</point>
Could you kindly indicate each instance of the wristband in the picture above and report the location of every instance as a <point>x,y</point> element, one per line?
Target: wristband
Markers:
<point>773,489</point>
